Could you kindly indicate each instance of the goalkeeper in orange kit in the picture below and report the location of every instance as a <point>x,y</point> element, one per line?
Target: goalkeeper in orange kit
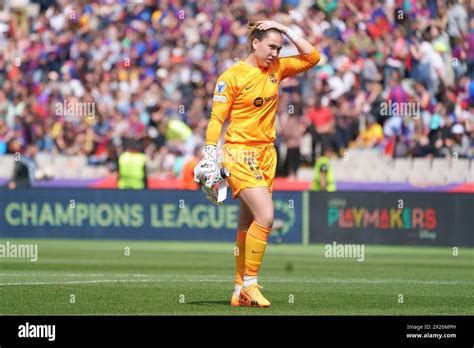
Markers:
<point>247,93</point>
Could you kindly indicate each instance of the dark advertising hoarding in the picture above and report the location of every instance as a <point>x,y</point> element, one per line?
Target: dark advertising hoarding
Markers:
<point>398,218</point>
<point>135,214</point>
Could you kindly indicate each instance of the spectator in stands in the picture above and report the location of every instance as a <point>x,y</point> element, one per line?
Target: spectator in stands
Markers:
<point>7,109</point>
<point>179,134</point>
<point>430,67</point>
<point>6,135</point>
<point>372,135</point>
<point>323,177</point>
<point>370,71</point>
<point>165,159</point>
<point>347,122</point>
<point>322,124</point>
<point>458,143</point>
<point>436,143</point>
<point>42,140</point>
<point>424,99</point>
<point>470,49</point>
<point>292,132</point>
<point>190,162</point>
<point>132,172</point>
<point>399,50</point>
<point>24,171</point>
<point>374,101</point>
<point>457,19</point>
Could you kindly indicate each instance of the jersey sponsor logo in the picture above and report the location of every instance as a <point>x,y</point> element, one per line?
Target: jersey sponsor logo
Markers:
<point>273,97</point>
<point>273,78</point>
<point>220,87</point>
<point>219,98</point>
<point>258,102</point>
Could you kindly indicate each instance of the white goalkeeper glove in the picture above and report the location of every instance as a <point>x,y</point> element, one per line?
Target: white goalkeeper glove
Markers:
<point>216,195</point>
<point>208,175</point>
<point>205,169</point>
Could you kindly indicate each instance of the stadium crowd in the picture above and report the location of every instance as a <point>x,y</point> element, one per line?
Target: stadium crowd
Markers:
<point>395,75</point>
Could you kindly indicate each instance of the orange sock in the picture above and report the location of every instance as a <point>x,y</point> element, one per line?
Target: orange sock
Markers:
<point>255,245</point>
<point>239,253</point>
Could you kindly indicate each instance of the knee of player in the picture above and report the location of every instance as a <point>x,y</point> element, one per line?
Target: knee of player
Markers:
<point>265,219</point>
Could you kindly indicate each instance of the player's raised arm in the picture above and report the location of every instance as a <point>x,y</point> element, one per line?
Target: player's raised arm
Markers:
<point>309,56</point>
<point>303,46</point>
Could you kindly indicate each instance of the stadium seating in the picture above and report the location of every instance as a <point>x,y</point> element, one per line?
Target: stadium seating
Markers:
<point>371,166</point>
<point>359,167</point>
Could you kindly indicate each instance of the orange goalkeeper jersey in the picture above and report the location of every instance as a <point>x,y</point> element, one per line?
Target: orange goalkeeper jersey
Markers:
<point>249,97</point>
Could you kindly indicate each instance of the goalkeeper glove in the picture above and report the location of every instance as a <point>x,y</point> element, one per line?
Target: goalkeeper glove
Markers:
<point>213,194</point>
<point>207,166</point>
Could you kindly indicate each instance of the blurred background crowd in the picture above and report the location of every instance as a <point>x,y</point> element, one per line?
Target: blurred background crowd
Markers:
<point>395,76</point>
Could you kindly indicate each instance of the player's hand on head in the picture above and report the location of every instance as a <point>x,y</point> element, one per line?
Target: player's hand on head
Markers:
<point>265,25</point>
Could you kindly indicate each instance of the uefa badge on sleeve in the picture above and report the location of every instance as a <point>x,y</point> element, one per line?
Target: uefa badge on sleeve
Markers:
<point>220,87</point>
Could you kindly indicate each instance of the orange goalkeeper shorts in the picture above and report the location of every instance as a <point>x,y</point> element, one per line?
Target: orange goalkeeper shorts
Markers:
<point>249,166</point>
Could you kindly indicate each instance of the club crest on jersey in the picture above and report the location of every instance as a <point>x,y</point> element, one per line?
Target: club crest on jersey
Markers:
<point>273,78</point>
<point>220,87</point>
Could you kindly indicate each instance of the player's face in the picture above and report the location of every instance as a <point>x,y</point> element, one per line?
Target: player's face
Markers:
<point>268,49</point>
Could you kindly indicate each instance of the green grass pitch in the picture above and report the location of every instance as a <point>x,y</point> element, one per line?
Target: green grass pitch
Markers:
<point>196,278</point>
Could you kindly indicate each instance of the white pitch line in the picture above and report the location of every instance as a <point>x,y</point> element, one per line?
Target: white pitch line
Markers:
<point>118,275</point>
<point>59,274</point>
<point>217,278</point>
<point>204,279</point>
<point>79,282</point>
